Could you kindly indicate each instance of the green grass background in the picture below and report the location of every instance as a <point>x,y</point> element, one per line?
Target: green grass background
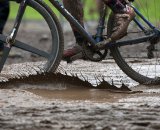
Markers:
<point>150,8</point>
<point>31,14</point>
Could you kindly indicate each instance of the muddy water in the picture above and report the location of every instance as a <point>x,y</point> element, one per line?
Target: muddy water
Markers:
<point>94,95</point>
<point>44,102</point>
<point>78,109</point>
<point>48,105</point>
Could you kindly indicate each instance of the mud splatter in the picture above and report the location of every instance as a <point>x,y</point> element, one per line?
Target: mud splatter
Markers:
<point>64,80</point>
<point>32,72</point>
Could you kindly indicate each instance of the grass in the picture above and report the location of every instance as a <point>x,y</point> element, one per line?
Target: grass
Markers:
<point>31,14</point>
<point>150,9</point>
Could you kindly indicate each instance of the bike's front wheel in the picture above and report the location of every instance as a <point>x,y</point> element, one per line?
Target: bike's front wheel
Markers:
<point>140,62</point>
<point>41,37</point>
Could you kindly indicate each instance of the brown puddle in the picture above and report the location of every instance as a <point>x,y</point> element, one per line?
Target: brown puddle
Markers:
<point>64,87</point>
<point>96,95</point>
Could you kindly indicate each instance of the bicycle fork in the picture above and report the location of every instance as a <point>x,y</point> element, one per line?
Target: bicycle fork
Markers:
<point>8,41</point>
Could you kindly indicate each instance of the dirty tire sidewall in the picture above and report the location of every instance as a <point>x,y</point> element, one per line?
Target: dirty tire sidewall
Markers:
<point>56,33</point>
<point>122,63</point>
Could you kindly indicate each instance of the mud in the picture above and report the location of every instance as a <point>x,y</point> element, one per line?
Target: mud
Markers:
<point>78,108</point>
<point>82,95</point>
<point>67,100</point>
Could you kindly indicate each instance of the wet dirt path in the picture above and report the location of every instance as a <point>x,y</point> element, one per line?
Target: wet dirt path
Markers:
<point>51,103</point>
<point>71,104</point>
<point>47,105</point>
<point>39,109</point>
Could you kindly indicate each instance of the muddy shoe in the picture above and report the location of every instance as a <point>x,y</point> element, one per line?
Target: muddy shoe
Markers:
<point>117,26</point>
<point>73,53</point>
<point>120,23</point>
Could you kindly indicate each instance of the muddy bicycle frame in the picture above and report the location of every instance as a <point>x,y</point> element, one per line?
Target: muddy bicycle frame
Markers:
<point>11,39</point>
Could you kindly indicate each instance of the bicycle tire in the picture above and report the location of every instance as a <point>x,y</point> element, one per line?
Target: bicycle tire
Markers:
<point>56,32</point>
<point>124,65</point>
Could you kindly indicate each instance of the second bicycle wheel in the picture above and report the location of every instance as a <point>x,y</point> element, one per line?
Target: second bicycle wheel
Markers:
<point>39,37</point>
<point>141,62</point>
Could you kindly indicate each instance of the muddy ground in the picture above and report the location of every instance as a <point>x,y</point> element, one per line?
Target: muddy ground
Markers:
<point>78,108</point>
<point>43,103</point>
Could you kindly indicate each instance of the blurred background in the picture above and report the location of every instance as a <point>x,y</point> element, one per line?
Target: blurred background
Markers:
<point>89,8</point>
<point>149,7</point>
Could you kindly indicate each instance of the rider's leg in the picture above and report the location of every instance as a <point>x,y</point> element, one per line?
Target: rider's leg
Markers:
<point>4,12</point>
<point>100,5</point>
<point>121,16</point>
<point>75,7</point>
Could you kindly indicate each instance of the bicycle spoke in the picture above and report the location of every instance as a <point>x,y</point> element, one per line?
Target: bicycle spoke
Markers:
<point>31,49</point>
<point>26,47</point>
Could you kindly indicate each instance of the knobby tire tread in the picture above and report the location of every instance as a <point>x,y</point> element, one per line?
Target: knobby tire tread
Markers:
<point>121,62</point>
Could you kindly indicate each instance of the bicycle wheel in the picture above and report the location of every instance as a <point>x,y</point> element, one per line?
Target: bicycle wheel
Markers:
<point>140,62</point>
<point>43,34</point>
